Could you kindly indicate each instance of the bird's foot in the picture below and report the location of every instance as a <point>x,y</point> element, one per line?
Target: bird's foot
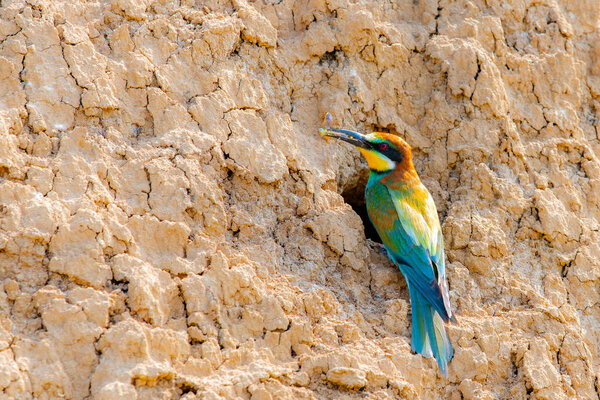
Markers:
<point>381,248</point>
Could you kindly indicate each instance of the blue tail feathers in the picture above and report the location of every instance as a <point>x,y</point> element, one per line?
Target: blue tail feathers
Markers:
<point>429,336</point>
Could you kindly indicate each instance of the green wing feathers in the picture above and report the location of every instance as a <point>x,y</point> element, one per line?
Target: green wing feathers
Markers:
<point>408,224</point>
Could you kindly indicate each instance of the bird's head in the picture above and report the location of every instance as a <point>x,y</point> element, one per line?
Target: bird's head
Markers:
<point>384,152</point>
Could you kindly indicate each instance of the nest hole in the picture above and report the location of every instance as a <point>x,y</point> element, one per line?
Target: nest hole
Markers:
<point>355,196</point>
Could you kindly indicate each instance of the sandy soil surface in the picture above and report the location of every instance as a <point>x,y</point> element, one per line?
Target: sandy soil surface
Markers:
<point>172,226</point>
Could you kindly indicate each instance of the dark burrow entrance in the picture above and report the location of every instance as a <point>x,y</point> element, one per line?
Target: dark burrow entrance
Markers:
<point>361,210</point>
<point>355,196</point>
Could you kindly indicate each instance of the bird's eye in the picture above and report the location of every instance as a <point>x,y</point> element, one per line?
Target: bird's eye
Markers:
<point>383,146</point>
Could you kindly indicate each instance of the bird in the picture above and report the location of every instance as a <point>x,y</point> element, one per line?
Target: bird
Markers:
<point>405,216</point>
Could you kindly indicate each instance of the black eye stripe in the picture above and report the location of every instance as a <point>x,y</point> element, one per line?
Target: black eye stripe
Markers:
<point>390,152</point>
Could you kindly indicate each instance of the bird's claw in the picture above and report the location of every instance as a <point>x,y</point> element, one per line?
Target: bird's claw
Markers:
<point>381,248</point>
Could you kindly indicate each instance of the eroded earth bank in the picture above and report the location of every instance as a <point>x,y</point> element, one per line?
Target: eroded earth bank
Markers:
<point>172,226</point>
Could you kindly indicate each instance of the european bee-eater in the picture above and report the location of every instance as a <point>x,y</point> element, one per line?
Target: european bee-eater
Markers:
<point>404,215</point>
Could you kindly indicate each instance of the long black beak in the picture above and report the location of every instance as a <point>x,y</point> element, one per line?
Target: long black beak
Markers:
<point>355,138</point>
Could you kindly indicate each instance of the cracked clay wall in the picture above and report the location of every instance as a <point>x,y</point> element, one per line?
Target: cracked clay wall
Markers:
<point>172,226</point>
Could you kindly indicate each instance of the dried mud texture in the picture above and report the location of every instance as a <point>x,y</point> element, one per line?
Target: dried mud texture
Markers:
<point>171,225</point>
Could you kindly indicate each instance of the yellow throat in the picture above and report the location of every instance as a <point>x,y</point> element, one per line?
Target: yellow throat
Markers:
<point>377,162</point>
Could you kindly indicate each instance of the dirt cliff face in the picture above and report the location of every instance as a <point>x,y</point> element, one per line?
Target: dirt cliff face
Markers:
<point>172,226</point>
